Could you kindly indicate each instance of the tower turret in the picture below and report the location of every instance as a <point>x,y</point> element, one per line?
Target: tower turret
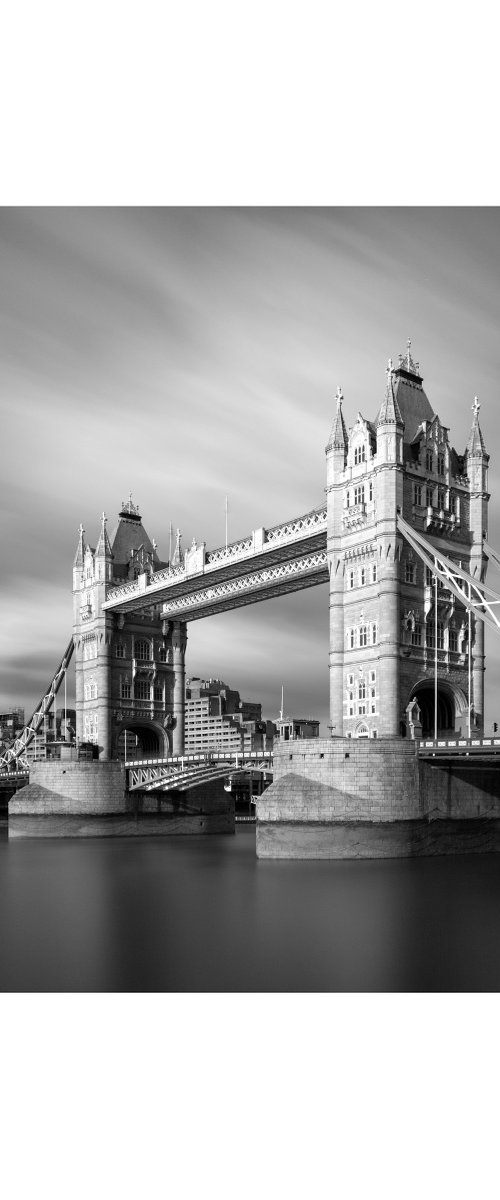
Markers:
<point>476,466</point>
<point>104,554</point>
<point>336,461</point>
<point>389,459</point>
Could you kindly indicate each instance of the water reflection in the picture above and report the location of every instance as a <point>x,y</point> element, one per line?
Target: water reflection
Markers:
<point>203,914</point>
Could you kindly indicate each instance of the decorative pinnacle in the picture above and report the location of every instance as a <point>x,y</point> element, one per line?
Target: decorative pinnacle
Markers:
<point>389,367</point>
<point>340,395</point>
<point>476,406</point>
<point>81,530</point>
<point>408,355</point>
<point>103,518</point>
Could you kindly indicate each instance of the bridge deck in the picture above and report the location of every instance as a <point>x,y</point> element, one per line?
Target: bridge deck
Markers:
<point>269,562</point>
<point>484,748</point>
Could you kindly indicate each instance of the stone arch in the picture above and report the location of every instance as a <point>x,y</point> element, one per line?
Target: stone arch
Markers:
<point>148,739</point>
<point>451,707</point>
<point>361,730</point>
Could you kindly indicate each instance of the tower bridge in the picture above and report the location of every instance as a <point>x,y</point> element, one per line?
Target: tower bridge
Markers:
<point>400,543</point>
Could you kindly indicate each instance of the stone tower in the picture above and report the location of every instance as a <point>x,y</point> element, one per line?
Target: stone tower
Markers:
<point>383,619</point>
<point>130,674</point>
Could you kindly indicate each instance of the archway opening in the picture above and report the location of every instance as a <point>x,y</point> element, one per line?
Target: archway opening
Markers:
<point>446,709</point>
<point>140,741</point>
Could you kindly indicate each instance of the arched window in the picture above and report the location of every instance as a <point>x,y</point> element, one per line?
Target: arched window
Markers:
<point>143,650</point>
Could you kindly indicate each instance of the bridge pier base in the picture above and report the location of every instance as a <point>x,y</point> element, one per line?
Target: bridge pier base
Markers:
<point>347,798</point>
<point>89,799</point>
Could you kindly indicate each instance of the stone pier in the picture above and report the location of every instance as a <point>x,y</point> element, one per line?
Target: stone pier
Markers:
<point>89,799</point>
<point>347,798</point>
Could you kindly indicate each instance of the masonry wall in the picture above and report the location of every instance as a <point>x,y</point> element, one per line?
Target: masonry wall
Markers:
<point>73,787</point>
<point>58,793</point>
<point>375,798</point>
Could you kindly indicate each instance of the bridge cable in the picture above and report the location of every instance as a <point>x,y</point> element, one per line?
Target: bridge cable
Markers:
<point>15,753</point>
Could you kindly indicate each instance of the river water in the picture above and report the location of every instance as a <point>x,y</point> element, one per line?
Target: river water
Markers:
<point>204,914</point>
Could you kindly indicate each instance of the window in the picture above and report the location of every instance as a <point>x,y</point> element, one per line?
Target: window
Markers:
<point>453,639</point>
<point>370,492</point>
<point>158,694</point>
<point>374,573</point>
<point>374,634</point>
<point>361,690</point>
<point>142,689</point>
<point>416,636</point>
<point>440,499</point>
<point>353,638</point>
<point>143,651</point>
<point>359,495</point>
<point>429,578</point>
<point>351,579</point>
<point>120,650</point>
<point>348,499</point>
<point>359,455</point>
<point>417,494</point>
<point>125,691</point>
<point>429,464</point>
<point>409,572</point>
<point>429,496</point>
<point>362,576</point>
<point>363,635</point>
<point>350,680</point>
<point>440,464</point>
<point>373,676</point>
<point>431,635</point>
<point>163,654</point>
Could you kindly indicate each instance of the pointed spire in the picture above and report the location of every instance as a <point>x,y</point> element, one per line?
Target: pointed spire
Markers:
<point>475,446</point>
<point>103,548</point>
<point>407,364</point>
<point>390,412</point>
<point>176,560</point>
<point>80,549</point>
<point>338,438</point>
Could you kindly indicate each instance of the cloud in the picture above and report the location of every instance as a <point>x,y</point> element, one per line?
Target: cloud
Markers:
<point>186,354</point>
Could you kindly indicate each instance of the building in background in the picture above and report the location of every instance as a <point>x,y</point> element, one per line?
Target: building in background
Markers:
<point>288,729</point>
<point>216,718</point>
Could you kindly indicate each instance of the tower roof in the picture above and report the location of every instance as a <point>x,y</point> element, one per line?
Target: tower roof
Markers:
<point>80,549</point>
<point>103,548</point>
<point>129,535</point>
<point>389,411</point>
<point>338,438</point>
<point>475,446</point>
<point>409,395</point>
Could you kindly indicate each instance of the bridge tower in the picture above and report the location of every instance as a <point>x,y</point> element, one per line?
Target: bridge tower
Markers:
<point>130,669</point>
<point>387,618</point>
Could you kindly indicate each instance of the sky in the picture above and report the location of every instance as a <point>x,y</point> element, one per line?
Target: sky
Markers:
<point>187,354</point>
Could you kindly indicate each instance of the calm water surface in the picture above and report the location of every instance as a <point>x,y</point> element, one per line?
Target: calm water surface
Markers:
<point>203,914</point>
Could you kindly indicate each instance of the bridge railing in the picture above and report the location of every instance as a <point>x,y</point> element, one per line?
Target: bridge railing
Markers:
<point>459,745</point>
<point>202,562</point>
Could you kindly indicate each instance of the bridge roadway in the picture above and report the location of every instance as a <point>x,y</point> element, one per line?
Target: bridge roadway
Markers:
<point>269,562</point>
<point>486,749</point>
<point>192,770</point>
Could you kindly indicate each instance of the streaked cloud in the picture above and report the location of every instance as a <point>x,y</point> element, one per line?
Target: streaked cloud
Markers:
<point>186,354</point>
